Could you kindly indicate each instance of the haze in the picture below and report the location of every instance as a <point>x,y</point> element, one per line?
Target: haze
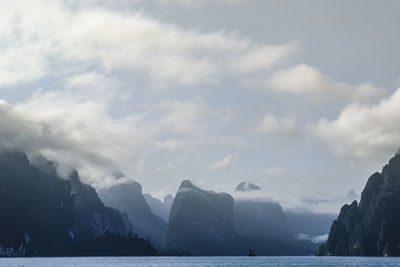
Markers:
<point>300,99</point>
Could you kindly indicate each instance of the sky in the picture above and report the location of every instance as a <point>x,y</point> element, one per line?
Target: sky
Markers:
<point>301,98</point>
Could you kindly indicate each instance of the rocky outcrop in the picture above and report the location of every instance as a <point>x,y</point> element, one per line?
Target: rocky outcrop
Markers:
<point>371,227</point>
<point>94,218</point>
<point>200,221</point>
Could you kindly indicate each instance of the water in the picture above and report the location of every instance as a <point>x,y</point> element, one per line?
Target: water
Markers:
<point>199,261</point>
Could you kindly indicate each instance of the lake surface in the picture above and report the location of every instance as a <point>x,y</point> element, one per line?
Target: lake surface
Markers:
<point>199,261</point>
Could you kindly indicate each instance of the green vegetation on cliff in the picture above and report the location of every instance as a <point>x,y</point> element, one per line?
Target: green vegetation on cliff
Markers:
<point>372,227</point>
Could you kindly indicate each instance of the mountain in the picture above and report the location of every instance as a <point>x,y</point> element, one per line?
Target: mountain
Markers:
<point>45,215</point>
<point>128,197</point>
<point>200,221</point>
<point>309,225</point>
<point>158,207</point>
<point>260,218</point>
<point>247,186</point>
<point>371,227</point>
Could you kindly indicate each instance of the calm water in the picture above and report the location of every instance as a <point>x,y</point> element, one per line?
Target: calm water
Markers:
<point>200,261</point>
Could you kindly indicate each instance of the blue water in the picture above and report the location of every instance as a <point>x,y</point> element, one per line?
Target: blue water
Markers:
<point>199,261</point>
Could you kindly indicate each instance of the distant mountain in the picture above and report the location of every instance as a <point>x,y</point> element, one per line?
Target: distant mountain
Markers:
<point>158,207</point>
<point>45,215</point>
<point>260,218</point>
<point>372,227</point>
<point>128,197</point>
<point>202,222</point>
<point>309,225</point>
<point>247,186</point>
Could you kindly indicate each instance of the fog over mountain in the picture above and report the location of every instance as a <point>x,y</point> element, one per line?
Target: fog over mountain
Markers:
<point>209,223</point>
<point>248,125</point>
<point>208,90</point>
<point>66,217</point>
<point>46,215</point>
<point>258,217</point>
<point>309,225</point>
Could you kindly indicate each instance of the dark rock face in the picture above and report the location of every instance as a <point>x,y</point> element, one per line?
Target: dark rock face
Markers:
<point>158,207</point>
<point>128,197</point>
<point>247,186</point>
<point>370,228</point>
<point>44,215</point>
<point>260,218</point>
<point>94,218</point>
<point>200,221</point>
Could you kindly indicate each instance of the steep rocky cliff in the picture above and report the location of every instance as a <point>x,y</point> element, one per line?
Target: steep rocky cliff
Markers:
<point>200,221</point>
<point>45,215</point>
<point>371,227</point>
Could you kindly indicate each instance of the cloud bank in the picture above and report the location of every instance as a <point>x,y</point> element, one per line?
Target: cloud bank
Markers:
<point>364,131</point>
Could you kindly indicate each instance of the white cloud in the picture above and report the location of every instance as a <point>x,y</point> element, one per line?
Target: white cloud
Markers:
<point>79,132</point>
<point>44,38</point>
<point>86,51</point>
<point>365,131</point>
<point>222,164</point>
<point>304,79</point>
<point>270,124</point>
